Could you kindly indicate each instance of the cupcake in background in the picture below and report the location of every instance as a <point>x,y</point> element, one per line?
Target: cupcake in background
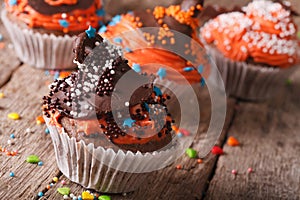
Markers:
<point>43,31</point>
<point>148,50</point>
<point>99,146</point>
<point>254,49</point>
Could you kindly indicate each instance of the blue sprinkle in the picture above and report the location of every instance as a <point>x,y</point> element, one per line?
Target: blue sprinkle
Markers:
<point>40,163</point>
<point>90,32</point>
<point>40,194</point>
<point>11,174</point>
<point>100,12</point>
<point>12,136</point>
<point>147,107</point>
<point>130,12</point>
<point>95,198</point>
<point>74,198</point>
<point>202,82</point>
<point>179,134</point>
<point>1,37</point>
<point>136,67</point>
<point>161,73</point>
<point>200,69</point>
<point>102,29</point>
<point>63,23</point>
<point>116,19</point>
<point>128,49</point>
<point>188,69</point>
<point>13,2</point>
<point>79,198</point>
<point>157,91</point>
<point>56,75</point>
<point>117,40</point>
<point>128,122</point>
<point>47,131</point>
<point>47,73</point>
<point>51,184</point>
<point>112,23</point>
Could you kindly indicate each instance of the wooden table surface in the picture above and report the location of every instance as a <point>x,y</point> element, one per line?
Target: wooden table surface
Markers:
<point>268,132</point>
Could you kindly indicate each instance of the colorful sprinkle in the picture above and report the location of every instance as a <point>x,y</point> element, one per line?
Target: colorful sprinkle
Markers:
<point>87,196</point>
<point>90,32</point>
<point>55,179</point>
<point>11,174</point>
<point>127,49</point>
<point>157,91</point>
<point>217,150</point>
<point>161,73</point>
<point>128,122</point>
<point>136,67</point>
<point>234,172</point>
<point>12,136</point>
<point>178,167</point>
<point>28,130</point>
<point>1,37</point>
<point>64,191</point>
<point>65,197</point>
<point>2,95</point>
<point>191,153</point>
<point>104,197</point>
<point>13,2</point>
<point>40,120</point>
<point>118,40</point>
<point>232,141</point>
<point>40,194</point>
<point>116,19</point>
<point>179,135</point>
<point>40,163</point>
<point>102,29</point>
<point>202,82</point>
<point>249,170</point>
<point>100,12</point>
<point>32,159</point>
<point>200,69</point>
<point>63,182</point>
<point>188,69</point>
<point>64,23</point>
<point>184,132</point>
<point>47,131</point>
<point>14,116</point>
<point>199,161</point>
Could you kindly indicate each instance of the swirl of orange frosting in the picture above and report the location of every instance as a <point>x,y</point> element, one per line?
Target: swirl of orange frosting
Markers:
<point>73,21</point>
<point>265,32</point>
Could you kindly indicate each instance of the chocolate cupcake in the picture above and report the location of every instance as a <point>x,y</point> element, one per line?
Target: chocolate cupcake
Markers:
<point>103,140</point>
<point>255,49</point>
<point>43,31</point>
<point>151,39</point>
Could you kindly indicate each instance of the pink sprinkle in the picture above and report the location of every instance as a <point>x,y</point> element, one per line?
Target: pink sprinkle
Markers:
<point>250,170</point>
<point>63,182</point>
<point>184,132</point>
<point>234,172</point>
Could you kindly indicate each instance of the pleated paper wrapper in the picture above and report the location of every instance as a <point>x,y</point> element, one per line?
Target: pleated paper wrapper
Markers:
<point>44,51</point>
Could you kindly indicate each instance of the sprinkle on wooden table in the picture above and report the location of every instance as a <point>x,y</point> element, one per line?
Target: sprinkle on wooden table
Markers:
<point>232,141</point>
<point>55,179</point>
<point>178,167</point>
<point>2,45</point>
<point>33,159</point>
<point>191,153</point>
<point>104,197</point>
<point>47,131</point>
<point>40,194</point>
<point>234,172</point>
<point>199,161</point>
<point>63,182</point>
<point>40,120</point>
<point>40,163</point>
<point>217,150</point>
<point>64,190</point>
<point>184,132</point>
<point>87,196</point>
<point>249,170</point>
<point>2,95</point>
<point>12,136</point>
<point>1,37</point>
<point>13,116</point>
<point>12,174</point>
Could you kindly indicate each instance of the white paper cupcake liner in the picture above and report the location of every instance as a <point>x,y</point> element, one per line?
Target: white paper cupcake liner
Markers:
<point>249,81</point>
<point>44,51</point>
<point>103,169</point>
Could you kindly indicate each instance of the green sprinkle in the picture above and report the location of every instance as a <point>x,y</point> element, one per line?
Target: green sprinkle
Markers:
<point>32,159</point>
<point>104,197</point>
<point>288,81</point>
<point>298,34</point>
<point>191,153</point>
<point>64,191</point>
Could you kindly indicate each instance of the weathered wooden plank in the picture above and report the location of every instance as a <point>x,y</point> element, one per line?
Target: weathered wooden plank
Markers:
<point>171,183</point>
<point>269,134</point>
<point>8,59</point>
<point>23,95</point>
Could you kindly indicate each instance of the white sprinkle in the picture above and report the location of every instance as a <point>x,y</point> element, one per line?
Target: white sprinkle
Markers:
<point>106,80</point>
<point>112,71</point>
<point>64,15</point>
<point>28,130</point>
<point>126,103</point>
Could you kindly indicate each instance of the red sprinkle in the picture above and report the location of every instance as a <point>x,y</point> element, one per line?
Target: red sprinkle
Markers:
<point>234,172</point>
<point>178,167</point>
<point>217,150</point>
<point>184,132</point>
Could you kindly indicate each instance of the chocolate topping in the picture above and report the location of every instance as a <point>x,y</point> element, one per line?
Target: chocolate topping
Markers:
<point>42,7</point>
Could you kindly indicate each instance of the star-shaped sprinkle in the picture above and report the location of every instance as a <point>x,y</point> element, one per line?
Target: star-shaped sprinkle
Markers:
<point>128,122</point>
<point>64,23</point>
<point>161,73</point>
<point>90,32</point>
<point>202,82</point>
<point>136,67</point>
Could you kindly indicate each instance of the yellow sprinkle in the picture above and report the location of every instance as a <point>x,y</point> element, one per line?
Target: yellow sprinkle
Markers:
<point>1,95</point>
<point>55,179</point>
<point>14,116</point>
<point>87,196</point>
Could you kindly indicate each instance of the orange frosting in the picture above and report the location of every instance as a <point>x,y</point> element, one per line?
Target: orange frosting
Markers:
<point>77,20</point>
<point>265,33</point>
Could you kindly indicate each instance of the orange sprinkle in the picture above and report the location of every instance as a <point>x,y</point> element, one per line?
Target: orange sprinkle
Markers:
<point>48,187</point>
<point>178,167</point>
<point>232,141</point>
<point>40,120</point>
<point>64,74</point>
<point>199,161</point>
<point>2,45</point>
<point>79,19</point>
<point>172,41</point>
<point>164,42</point>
